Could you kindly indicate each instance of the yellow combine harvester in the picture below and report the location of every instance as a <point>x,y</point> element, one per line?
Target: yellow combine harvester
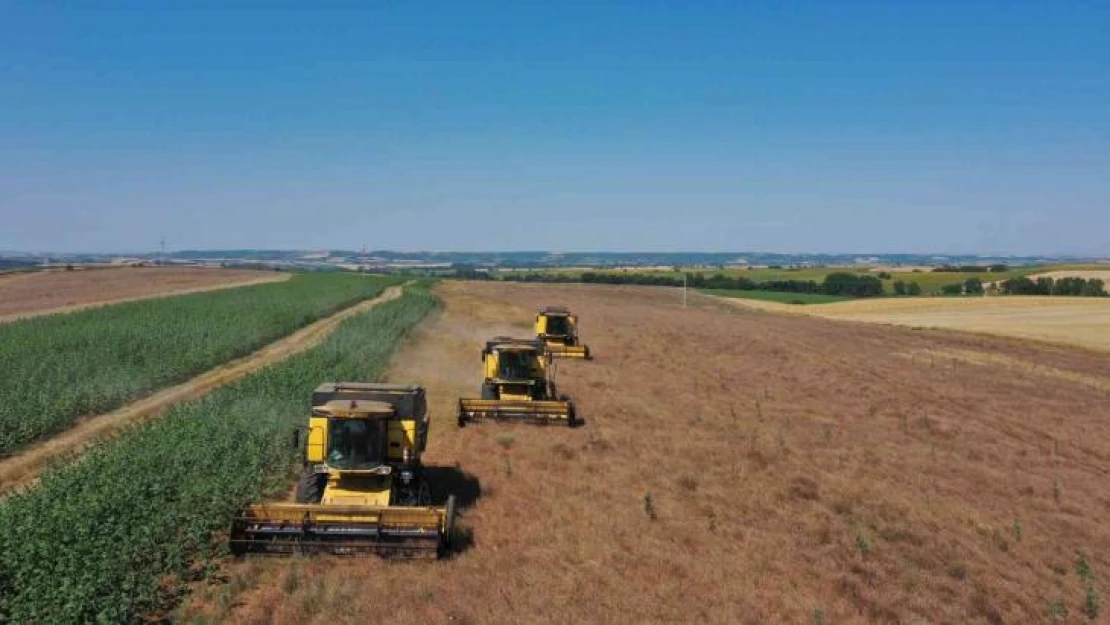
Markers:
<point>362,489</point>
<point>558,329</point>
<point>517,386</point>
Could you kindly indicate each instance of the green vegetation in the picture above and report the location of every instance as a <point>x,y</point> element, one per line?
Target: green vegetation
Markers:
<point>839,283</point>
<point>113,536</point>
<point>773,296</point>
<point>1073,287</point>
<point>61,367</point>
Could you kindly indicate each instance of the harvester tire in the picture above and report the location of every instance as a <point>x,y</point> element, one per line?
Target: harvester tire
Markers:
<point>449,526</point>
<point>310,486</point>
<point>572,416</point>
<point>489,392</point>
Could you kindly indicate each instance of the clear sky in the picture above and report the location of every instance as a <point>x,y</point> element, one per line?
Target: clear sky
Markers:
<point>951,127</point>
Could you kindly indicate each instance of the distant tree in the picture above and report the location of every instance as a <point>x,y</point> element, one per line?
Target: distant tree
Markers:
<point>952,289</point>
<point>913,289</point>
<point>973,286</point>
<point>852,285</point>
<point>1094,288</point>
<point>883,275</point>
<point>899,287</point>
<point>998,268</point>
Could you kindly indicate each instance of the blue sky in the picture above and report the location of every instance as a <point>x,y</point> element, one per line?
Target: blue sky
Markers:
<point>951,127</point>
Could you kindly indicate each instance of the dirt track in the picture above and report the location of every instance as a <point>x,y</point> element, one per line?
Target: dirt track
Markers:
<point>25,466</point>
<point>797,468</point>
<point>32,294</point>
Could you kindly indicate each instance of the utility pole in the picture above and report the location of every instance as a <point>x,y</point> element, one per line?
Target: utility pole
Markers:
<point>684,289</point>
<point>162,246</point>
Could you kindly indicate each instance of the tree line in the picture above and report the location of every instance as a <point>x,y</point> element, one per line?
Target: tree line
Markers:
<point>1074,287</point>
<point>996,268</point>
<point>838,283</point>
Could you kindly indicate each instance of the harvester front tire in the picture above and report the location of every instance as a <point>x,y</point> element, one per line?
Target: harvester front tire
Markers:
<point>489,392</point>
<point>310,486</point>
<point>448,542</point>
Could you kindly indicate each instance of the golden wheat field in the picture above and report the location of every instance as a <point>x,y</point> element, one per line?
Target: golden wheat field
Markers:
<point>1083,322</point>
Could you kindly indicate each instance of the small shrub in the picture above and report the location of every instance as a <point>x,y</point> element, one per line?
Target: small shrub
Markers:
<point>505,440</point>
<point>1083,568</point>
<point>649,507</point>
<point>1091,604</point>
<point>863,543</point>
<point>1058,610</point>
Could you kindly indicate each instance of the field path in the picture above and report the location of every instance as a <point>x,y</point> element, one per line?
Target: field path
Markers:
<point>23,467</point>
<point>29,295</point>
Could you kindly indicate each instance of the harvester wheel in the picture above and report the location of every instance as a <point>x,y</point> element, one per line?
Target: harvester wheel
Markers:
<point>449,526</point>
<point>310,487</point>
<point>572,416</point>
<point>489,392</point>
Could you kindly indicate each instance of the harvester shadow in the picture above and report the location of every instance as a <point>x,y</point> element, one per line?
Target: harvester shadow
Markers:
<point>446,481</point>
<point>466,487</point>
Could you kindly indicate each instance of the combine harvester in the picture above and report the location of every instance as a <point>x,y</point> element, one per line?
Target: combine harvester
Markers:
<point>558,329</point>
<point>362,490</point>
<point>517,386</point>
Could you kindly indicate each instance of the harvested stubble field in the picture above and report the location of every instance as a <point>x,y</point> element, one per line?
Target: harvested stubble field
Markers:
<point>743,467</point>
<point>45,292</point>
<point>1080,321</point>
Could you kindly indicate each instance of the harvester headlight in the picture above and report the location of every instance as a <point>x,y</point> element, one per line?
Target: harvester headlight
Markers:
<point>406,476</point>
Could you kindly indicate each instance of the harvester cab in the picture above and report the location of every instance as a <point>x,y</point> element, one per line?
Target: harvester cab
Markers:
<point>362,489</point>
<point>518,386</point>
<point>557,327</point>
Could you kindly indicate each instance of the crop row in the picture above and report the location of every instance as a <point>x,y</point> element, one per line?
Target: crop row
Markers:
<point>59,368</point>
<point>113,535</point>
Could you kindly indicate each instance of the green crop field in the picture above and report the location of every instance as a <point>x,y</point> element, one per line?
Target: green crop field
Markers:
<point>59,368</point>
<point>774,296</point>
<point>113,536</point>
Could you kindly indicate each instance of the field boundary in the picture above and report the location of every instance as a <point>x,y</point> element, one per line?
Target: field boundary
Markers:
<point>24,467</point>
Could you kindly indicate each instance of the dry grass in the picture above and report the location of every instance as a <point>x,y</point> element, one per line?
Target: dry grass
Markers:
<point>1068,320</point>
<point>47,292</point>
<point>738,467</point>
